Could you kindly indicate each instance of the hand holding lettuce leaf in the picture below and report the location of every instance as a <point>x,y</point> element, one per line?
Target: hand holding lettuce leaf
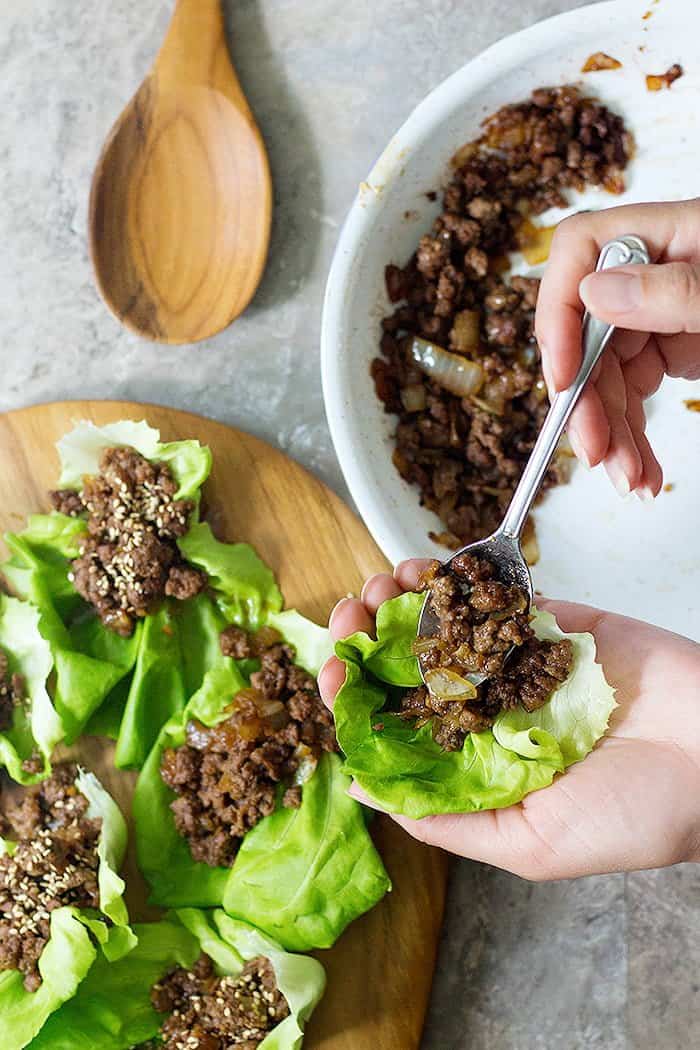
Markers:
<point>112,1009</point>
<point>301,874</point>
<point>404,770</point>
<point>77,936</point>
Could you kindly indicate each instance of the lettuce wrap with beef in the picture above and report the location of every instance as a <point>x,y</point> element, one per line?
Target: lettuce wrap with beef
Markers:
<point>78,936</point>
<point>112,1009</point>
<point>123,686</point>
<point>402,767</point>
<point>301,874</point>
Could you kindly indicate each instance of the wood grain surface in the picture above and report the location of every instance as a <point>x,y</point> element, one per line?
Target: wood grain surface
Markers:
<point>181,200</point>
<point>380,971</point>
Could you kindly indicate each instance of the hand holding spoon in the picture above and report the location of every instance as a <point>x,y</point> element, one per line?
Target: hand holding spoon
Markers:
<point>503,548</point>
<point>181,199</point>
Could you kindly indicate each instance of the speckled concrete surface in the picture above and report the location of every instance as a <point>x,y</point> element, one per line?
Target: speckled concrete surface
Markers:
<point>607,963</point>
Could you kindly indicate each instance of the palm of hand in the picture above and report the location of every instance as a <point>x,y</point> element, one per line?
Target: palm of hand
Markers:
<point>632,803</point>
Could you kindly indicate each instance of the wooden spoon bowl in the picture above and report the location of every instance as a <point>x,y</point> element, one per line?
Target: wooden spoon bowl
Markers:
<point>181,200</point>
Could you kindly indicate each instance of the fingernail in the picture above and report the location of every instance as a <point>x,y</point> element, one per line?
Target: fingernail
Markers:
<point>618,478</point>
<point>610,292</point>
<point>644,494</point>
<point>577,446</point>
<point>337,606</point>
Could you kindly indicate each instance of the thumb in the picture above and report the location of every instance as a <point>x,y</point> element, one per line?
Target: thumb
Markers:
<point>663,298</point>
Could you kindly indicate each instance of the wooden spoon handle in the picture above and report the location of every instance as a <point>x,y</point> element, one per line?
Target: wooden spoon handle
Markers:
<point>195,45</point>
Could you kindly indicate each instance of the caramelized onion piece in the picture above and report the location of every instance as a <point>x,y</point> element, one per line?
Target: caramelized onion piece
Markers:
<point>655,82</point>
<point>464,337</point>
<point>306,763</point>
<point>424,644</point>
<point>454,373</point>
<point>535,242</point>
<point>413,397</point>
<point>448,685</point>
<point>598,61</point>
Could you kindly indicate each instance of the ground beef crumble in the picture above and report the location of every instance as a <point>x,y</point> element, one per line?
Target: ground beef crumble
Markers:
<point>129,559</point>
<point>207,1012</point>
<point>483,628</point>
<point>55,864</point>
<point>465,455</point>
<point>228,777</point>
<point>12,692</point>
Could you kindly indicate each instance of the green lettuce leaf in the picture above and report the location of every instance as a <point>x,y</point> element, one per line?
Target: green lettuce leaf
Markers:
<point>112,1009</point>
<point>244,587</point>
<point>405,771</point>
<point>89,660</point>
<point>300,875</point>
<point>305,874</point>
<point>70,951</point>
<point>36,727</point>
<point>81,449</point>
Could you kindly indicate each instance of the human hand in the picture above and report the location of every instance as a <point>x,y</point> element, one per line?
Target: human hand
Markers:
<point>656,306</point>
<point>633,803</point>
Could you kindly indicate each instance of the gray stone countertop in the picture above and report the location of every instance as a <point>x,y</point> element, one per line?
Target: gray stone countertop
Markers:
<point>607,963</point>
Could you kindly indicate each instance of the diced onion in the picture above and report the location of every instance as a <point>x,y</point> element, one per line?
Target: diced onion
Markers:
<point>448,685</point>
<point>307,762</point>
<point>535,242</point>
<point>423,645</point>
<point>464,336</point>
<point>464,154</point>
<point>413,397</point>
<point>599,61</point>
<point>455,374</point>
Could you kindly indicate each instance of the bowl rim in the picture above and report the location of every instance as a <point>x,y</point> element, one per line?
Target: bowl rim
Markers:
<point>354,237</point>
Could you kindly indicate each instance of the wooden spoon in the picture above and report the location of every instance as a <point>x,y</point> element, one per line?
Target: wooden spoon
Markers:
<point>181,199</point>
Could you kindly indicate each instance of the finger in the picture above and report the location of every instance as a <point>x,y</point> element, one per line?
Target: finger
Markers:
<point>349,616</point>
<point>651,480</point>
<point>574,253</point>
<point>623,462</point>
<point>406,573</point>
<point>356,792</point>
<point>379,589</point>
<point>330,679</point>
<point>499,837</point>
<point>662,298</point>
<point>588,428</point>
<point>644,372</point>
<point>572,617</point>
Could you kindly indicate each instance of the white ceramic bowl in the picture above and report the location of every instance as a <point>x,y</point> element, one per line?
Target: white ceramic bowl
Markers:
<point>622,555</point>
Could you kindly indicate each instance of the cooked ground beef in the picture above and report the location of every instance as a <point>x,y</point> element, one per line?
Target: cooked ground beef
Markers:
<point>129,559</point>
<point>55,864</point>
<point>466,455</point>
<point>228,777</point>
<point>207,1012</point>
<point>12,692</point>
<point>480,622</point>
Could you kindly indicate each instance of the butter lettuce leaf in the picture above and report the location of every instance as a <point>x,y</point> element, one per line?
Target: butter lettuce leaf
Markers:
<point>35,728</point>
<point>77,936</point>
<point>244,587</point>
<point>89,660</point>
<point>81,449</point>
<point>112,1008</point>
<point>405,771</point>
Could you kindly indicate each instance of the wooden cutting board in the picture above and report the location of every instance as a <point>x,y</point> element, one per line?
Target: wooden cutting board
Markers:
<point>380,971</point>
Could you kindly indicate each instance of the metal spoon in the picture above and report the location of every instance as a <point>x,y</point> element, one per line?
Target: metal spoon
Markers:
<point>503,548</point>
